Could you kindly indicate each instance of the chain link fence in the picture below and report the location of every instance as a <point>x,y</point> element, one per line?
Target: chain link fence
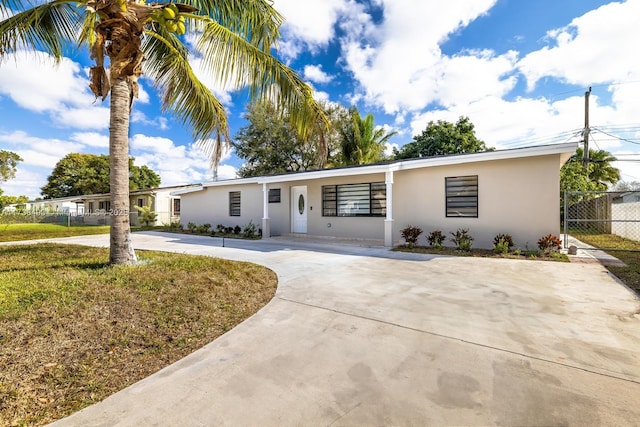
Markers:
<point>601,216</point>
<point>40,217</point>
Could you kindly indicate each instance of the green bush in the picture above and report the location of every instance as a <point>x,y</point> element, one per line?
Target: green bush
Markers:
<point>506,238</point>
<point>501,246</point>
<point>175,226</point>
<point>192,227</point>
<point>462,239</point>
<point>203,229</point>
<point>410,234</point>
<point>250,230</point>
<point>436,238</point>
<point>237,229</point>
<point>147,216</point>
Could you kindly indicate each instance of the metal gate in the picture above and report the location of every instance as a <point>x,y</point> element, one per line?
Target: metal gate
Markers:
<point>601,219</point>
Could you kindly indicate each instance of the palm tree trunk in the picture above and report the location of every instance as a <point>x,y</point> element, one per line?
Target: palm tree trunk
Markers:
<point>121,248</point>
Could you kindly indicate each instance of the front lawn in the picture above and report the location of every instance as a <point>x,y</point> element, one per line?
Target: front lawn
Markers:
<point>16,232</point>
<point>74,331</point>
<point>626,250</point>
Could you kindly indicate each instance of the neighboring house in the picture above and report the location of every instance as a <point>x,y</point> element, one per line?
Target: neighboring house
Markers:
<point>97,207</point>
<point>61,205</point>
<point>625,215</point>
<point>513,191</point>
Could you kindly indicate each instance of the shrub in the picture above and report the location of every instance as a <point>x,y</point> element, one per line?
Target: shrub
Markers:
<point>228,230</point>
<point>436,238</point>
<point>249,230</point>
<point>175,226</point>
<point>147,216</point>
<point>462,239</point>
<point>506,238</point>
<point>410,234</point>
<point>549,243</point>
<point>220,228</point>
<point>237,229</point>
<point>204,228</point>
<point>191,226</point>
<point>501,246</point>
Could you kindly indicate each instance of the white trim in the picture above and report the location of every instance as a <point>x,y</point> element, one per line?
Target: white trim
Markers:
<point>485,156</point>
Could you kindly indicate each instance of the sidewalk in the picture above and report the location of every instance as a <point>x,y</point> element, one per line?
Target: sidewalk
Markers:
<point>589,254</point>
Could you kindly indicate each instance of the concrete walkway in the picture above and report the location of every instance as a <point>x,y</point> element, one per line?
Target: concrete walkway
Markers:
<point>364,336</point>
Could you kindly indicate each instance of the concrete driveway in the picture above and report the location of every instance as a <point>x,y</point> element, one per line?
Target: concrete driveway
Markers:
<point>364,336</point>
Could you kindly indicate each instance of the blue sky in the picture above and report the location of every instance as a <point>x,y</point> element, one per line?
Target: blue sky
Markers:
<point>518,69</point>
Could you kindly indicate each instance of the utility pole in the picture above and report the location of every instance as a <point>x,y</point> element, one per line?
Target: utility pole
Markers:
<point>585,133</point>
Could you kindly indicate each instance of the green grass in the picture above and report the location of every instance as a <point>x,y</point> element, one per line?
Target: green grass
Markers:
<point>626,250</point>
<point>16,232</point>
<point>74,330</point>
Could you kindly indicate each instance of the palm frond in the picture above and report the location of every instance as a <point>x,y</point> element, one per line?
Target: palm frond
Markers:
<point>255,20</point>
<point>50,27</point>
<point>235,62</point>
<point>184,94</point>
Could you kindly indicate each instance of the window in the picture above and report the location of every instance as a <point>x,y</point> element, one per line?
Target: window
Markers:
<point>105,205</point>
<point>274,195</point>
<point>140,203</point>
<point>462,196</point>
<point>234,203</point>
<point>90,207</point>
<point>354,199</point>
<point>175,206</point>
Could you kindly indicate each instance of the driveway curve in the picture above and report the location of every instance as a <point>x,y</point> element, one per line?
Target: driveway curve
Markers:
<point>365,336</point>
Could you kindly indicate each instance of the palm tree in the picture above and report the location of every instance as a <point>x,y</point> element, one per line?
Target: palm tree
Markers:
<point>235,37</point>
<point>361,142</point>
<point>600,170</point>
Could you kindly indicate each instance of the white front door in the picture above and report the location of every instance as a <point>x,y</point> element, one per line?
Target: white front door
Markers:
<point>299,209</point>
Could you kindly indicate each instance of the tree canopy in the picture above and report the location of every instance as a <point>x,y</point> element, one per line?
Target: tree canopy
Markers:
<point>81,174</point>
<point>271,144</point>
<point>6,200</point>
<point>598,175</point>
<point>8,164</point>
<point>361,142</point>
<point>441,138</point>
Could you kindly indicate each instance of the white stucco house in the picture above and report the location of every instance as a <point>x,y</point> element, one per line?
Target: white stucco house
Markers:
<point>62,205</point>
<point>94,209</point>
<point>161,201</point>
<point>514,191</point>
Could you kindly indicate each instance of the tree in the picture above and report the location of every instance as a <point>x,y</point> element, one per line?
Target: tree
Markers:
<point>11,200</point>
<point>8,163</point>
<point>598,175</point>
<point>235,39</point>
<point>81,174</point>
<point>270,144</point>
<point>441,138</point>
<point>361,142</point>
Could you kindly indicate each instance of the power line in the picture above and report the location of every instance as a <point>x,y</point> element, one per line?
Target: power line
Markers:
<point>617,137</point>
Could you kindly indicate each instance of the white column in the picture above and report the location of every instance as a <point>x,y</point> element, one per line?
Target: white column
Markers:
<point>266,230</point>
<point>388,222</point>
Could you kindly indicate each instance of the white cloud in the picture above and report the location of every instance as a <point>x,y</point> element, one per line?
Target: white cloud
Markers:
<point>309,23</point>
<point>398,63</point>
<point>91,139</point>
<point>21,78</point>
<point>176,164</point>
<point>597,47</point>
<point>91,116</point>
<point>41,146</point>
<point>27,182</point>
<point>315,74</point>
